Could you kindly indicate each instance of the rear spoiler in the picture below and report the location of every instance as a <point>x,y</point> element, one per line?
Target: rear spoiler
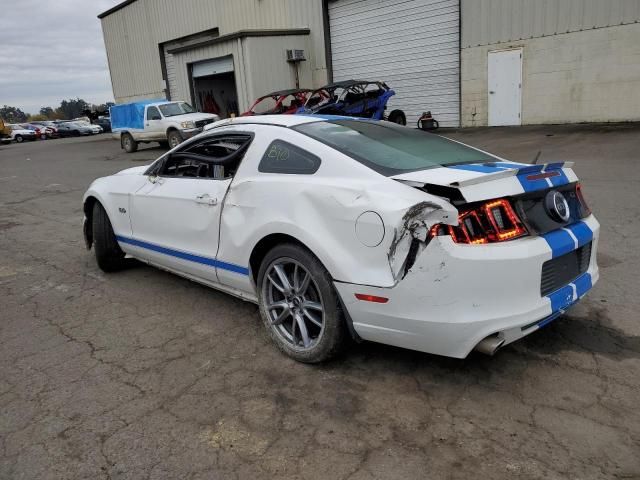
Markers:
<point>510,171</point>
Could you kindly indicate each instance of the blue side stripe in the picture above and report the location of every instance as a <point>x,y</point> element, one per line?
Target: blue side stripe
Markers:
<point>560,242</point>
<point>212,262</point>
<point>561,298</point>
<point>582,232</point>
<point>583,284</point>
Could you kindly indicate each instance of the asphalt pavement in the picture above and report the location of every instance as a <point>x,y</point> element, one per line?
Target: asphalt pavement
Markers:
<point>142,374</point>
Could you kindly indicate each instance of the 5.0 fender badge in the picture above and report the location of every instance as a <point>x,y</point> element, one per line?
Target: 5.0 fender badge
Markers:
<point>557,206</point>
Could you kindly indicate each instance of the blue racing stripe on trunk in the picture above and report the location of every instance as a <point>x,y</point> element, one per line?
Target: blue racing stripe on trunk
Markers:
<point>212,262</point>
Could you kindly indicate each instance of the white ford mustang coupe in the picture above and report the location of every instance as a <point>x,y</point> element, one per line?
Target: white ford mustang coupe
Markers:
<point>340,227</point>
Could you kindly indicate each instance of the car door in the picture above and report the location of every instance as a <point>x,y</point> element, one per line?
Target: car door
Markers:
<point>175,217</point>
<point>153,125</point>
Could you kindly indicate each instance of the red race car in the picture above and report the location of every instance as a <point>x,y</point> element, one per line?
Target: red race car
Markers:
<point>285,102</point>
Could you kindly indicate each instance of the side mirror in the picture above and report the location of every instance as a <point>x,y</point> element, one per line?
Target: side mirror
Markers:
<point>156,117</point>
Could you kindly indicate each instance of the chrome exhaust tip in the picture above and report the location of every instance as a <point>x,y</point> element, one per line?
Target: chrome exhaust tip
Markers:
<point>490,345</point>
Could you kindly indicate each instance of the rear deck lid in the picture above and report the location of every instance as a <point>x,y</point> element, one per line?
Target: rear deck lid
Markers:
<point>482,181</point>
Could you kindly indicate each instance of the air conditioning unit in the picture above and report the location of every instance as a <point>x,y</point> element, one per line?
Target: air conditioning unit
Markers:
<point>295,56</point>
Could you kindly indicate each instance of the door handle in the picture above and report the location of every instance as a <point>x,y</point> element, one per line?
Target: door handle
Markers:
<point>206,199</point>
<point>491,92</point>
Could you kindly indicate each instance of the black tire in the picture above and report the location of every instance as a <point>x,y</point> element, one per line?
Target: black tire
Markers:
<point>174,138</point>
<point>164,144</point>
<point>397,116</point>
<point>19,139</point>
<point>334,335</point>
<point>128,143</point>
<point>75,133</point>
<point>109,256</point>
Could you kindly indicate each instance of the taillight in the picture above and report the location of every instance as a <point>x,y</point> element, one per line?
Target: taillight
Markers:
<point>586,211</point>
<point>493,221</point>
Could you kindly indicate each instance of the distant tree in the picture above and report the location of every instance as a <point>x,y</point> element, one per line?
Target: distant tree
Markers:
<point>47,112</point>
<point>72,108</point>
<point>12,114</point>
<point>37,118</point>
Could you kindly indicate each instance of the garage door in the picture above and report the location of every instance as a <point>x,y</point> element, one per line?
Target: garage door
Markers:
<point>412,45</point>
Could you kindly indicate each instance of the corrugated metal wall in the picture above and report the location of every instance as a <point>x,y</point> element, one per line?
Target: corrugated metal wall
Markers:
<point>486,22</point>
<point>132,35</point>
<point>413,45</point>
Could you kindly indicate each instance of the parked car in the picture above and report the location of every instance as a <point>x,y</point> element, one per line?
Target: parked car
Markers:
<point>355,98</point>
<point>74,129</point>
<point>344,226</point>
<point>104,123</point>
<point>95,129</point>
<point>20,134</point>
<point>40,130</point>
<point>168,123</point>
<point>285,102</point>
<point>50,127</point>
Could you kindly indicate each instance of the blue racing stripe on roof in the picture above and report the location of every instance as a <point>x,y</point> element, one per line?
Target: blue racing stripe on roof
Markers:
<point>212,262</point>
<point>560,242</point>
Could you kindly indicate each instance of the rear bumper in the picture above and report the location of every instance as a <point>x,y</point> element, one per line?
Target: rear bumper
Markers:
<point>456,295</point>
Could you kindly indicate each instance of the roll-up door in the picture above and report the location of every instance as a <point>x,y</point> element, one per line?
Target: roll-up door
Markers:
<point>412,45</point>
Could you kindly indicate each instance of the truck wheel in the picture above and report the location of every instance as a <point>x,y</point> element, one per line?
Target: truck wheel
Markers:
<point>128,143</point>
<point>299,305</point>
<point>164,144</point>
<point>397,116</point>
<point>109,256</point>
<point>174,138</point>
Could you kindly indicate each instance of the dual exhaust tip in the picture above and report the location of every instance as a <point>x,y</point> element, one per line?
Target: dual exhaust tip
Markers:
<point>490,345</point>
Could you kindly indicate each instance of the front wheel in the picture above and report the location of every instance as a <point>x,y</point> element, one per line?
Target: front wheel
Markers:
<point>128,143</point>
<point>398,116</point>
<point>19,139</point>
<point>109,256</point>
<point>299,305</point>
<point>174,138</point>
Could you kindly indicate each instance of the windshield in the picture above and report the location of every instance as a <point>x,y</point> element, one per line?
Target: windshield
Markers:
<point>390,149</point>
<point>177,108</point>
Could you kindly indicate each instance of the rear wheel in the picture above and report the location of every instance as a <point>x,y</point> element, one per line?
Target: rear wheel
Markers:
<point>174,138</point>
<point>109,256</point>
<point>128,143</point>
<point>299,305</point>
<point>397,116</point>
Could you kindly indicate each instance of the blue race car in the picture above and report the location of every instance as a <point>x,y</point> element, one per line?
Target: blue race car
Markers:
<point>354,98</point>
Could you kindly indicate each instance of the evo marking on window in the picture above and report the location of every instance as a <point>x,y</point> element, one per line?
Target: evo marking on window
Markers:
<point>212,262</point>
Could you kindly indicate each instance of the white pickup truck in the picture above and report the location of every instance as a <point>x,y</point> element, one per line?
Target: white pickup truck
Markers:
<point>165,122</point>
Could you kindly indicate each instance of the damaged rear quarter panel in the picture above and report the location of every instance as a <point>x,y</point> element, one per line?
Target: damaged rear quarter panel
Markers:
<point>320,210</point>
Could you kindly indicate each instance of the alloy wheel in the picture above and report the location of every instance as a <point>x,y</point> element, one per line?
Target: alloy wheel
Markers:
<point>292,300</point>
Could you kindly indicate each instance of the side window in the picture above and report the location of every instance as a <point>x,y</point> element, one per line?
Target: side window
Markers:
<point>153,114</point>
<point>283,157</point>
<point>213,158</point>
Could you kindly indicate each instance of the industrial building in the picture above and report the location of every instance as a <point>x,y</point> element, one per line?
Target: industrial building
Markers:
<point>471,62</point>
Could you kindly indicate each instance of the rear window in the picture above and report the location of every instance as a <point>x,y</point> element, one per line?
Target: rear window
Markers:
<point>391,149</point>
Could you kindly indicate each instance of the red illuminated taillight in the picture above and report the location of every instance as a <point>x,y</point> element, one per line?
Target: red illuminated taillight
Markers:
<point>586,211</point>
<point>493,221</point>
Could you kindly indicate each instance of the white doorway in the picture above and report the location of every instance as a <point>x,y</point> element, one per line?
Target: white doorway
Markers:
<point>505,87</point>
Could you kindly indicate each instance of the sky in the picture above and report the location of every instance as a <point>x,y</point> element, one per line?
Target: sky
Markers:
<point>52,50</point>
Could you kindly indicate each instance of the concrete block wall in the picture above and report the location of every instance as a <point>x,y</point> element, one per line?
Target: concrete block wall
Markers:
<point>586,76</point>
